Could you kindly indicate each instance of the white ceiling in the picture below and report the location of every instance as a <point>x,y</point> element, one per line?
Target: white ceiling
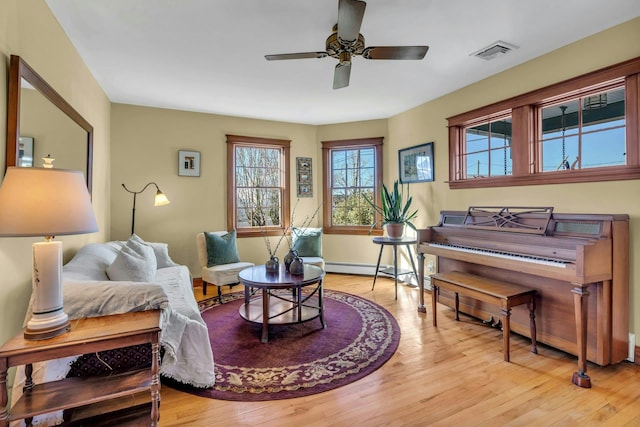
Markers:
<point>208,55</point>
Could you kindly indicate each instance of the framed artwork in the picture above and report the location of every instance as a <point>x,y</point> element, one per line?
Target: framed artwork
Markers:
<point>188,163</point>
<point>415,164</point>
<point>304,177</point>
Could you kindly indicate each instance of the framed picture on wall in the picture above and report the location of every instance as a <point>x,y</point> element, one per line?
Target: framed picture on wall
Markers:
<point>415,164</point>
<point>304,177</point>
<point>188,163</point>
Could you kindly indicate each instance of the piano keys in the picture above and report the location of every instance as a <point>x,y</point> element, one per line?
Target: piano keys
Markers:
<point>578,263</point>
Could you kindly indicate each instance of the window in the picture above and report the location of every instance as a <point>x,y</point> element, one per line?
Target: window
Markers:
<point>583,132</point>
<point>257,185</point>
<point>352,169</point>
<point>487,150</point>
<point>580,130</point>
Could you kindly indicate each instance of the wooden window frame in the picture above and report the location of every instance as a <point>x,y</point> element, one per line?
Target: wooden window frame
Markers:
<point>524,150</point>
<point>234,141</point>
<point>327,147</point>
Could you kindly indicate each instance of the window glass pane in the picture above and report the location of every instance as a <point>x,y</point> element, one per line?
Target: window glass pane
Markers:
<point>477,165</point>
<point>477,138</point>
<point>367,177</point>
<point>500,162</point>
<point>338,159</point>
<point>605,148</point>
<point>603,110</point>
<point>559,154</point>
<point>353,177</point>
<point>367,158</point>
<point>500,133</point>
<point>339,178</point>
<point>560,119</point>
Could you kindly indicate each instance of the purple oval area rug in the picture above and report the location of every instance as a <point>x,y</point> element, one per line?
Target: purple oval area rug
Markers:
<point>298,360</point>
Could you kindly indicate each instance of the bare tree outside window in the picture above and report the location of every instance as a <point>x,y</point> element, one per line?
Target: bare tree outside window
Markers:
<point>258,182</point>
<point>258,199</point>
<point>354,171</point>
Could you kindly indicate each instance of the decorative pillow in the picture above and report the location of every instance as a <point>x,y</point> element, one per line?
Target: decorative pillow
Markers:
<point>160,249</point>
<point>221,249</point>
<point>136,262</point>
<point>307,241</point>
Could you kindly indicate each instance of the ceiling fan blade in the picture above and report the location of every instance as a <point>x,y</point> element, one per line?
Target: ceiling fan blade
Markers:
<point>303,55</point>
<point>395,52</point>
<point>341,75</point>
<point>350,14</point>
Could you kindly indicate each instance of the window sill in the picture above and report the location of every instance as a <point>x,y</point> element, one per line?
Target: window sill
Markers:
<point>547,178</point>
<point>354,231</point>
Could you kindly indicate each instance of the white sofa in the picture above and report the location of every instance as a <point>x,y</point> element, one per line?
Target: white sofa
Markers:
<point>88,292</point>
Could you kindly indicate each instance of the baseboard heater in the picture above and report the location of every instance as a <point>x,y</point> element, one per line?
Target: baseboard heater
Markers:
<point>368,270</point>
<point>350,268</point>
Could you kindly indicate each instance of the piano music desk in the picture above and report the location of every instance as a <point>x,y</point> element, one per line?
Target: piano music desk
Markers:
<point>502,294</point>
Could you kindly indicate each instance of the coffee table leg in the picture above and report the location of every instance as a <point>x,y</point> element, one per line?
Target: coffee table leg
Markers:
<point>265,315</point>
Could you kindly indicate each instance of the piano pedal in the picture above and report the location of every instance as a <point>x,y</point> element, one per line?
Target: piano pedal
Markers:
<point>493,323</point>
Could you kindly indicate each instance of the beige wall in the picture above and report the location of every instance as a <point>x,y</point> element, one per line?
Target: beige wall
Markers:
<point>28,29</point>
<point>145,145</point>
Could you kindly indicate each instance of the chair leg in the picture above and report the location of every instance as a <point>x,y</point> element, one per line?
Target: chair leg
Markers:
<point>220,294</point>
<point>204,287</point>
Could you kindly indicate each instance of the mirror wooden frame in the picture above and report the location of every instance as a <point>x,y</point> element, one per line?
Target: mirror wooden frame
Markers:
<point>19,69</point>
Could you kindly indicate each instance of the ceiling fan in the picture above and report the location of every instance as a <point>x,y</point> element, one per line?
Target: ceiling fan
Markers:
<point>346,41</point>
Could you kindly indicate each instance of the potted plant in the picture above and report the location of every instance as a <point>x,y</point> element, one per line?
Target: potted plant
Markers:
<point>394,211</point>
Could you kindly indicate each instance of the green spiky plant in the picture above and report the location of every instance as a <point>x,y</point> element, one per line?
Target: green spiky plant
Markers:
<point>394,209</point>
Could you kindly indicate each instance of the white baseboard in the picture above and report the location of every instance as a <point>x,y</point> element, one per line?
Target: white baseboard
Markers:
<point>350,268</point>
<point>369,270</point>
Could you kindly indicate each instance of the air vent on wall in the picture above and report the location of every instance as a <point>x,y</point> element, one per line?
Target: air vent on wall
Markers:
<point>494,49</point>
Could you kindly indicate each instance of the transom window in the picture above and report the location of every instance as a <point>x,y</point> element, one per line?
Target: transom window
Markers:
<point>581,130</point>
<point>584,132</point>
<point>258,187</point>
<point>487,149</point>
<point>353,170</point>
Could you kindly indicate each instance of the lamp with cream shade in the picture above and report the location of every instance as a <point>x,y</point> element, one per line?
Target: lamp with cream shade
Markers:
<point>45,202</point>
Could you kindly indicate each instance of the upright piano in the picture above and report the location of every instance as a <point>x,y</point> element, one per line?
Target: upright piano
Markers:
<point>578,264</point>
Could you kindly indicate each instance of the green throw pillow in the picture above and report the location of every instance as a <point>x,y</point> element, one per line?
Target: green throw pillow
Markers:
<point>221,249</point>
<point>307,241</point>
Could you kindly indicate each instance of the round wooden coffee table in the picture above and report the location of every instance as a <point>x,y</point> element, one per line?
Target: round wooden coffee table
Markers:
<point>282,300</point>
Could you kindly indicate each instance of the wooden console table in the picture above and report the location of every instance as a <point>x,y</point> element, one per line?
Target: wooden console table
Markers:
<point>96,395</point>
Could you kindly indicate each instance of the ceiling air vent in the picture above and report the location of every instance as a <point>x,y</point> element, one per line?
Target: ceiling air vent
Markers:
<point>494,49</point>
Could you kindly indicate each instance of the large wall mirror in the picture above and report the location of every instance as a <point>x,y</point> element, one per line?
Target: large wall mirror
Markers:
<point>40,123</point>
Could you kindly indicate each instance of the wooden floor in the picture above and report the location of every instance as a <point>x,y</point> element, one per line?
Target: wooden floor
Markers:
<point>451,375</point>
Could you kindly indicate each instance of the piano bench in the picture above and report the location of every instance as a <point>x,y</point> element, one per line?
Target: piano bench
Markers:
<point>502,294</point>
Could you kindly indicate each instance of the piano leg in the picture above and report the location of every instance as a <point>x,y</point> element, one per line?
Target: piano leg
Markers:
<point>581,304</point>
<point>420,279</point>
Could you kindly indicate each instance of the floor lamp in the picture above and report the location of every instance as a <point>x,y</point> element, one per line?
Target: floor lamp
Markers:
<point>49,203</point>
<point>160,200</point>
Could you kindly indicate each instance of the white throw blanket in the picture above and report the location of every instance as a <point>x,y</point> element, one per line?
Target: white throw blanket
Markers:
<point>89,293</point>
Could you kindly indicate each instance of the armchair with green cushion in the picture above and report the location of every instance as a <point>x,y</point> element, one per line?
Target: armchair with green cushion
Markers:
<point>308,243</point>
<point>219,259</point>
